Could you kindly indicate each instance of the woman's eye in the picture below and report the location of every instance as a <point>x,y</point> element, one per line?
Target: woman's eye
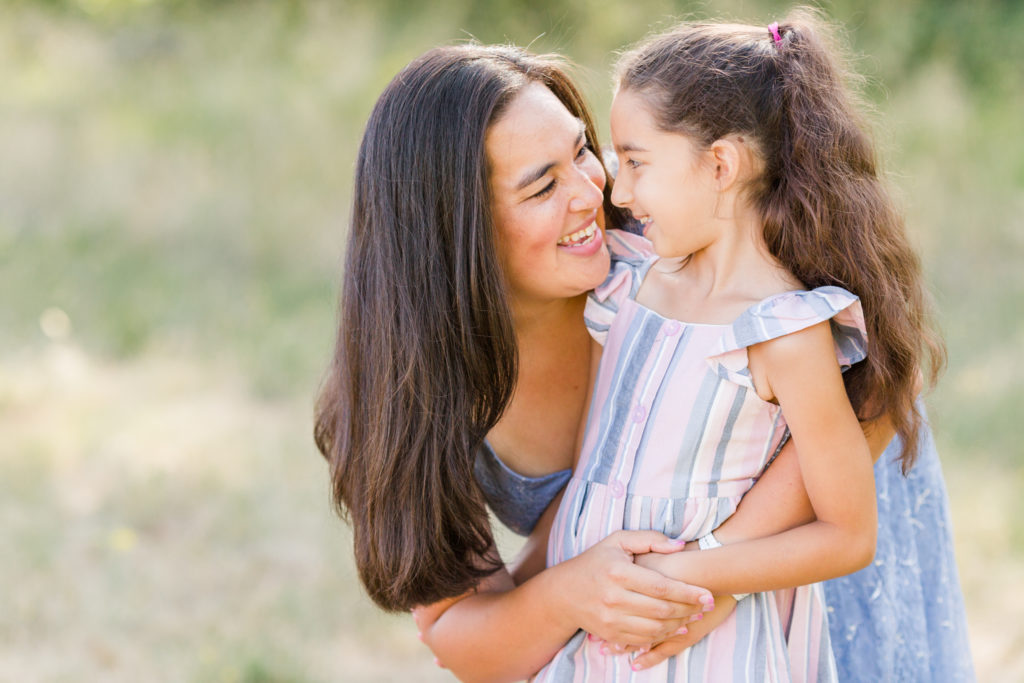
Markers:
<point>632,163</point>
<point>548,189</point>
<point>583,151</point>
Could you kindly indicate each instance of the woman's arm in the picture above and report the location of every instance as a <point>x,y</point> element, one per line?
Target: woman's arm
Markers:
<point>835,467</point>
<point>508,632</point>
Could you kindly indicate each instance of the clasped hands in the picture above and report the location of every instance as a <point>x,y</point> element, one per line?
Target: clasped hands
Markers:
<point>630,605</point>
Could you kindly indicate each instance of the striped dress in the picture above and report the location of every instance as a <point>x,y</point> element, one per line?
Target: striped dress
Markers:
<point>676,435</point>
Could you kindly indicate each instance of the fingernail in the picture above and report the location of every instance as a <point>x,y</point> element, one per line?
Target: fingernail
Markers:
<point>591,637</point>
<point>635,667</point>
<point>707,600</point>
<point>438,662</point>
<point>682,631</point>
<point>419,634</point>
<point>679,541</point>
<point>604,650</point>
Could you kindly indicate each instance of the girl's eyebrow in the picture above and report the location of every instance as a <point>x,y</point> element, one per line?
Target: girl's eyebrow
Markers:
<point>536,174</point>
<point>629,147</point>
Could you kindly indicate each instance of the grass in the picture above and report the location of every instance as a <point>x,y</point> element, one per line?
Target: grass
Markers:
<point>172,207</point>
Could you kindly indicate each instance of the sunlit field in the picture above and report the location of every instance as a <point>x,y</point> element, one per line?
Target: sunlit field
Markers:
<point>174,183</point>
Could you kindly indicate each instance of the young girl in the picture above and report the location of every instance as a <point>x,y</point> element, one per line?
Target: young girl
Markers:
<point>744,160</point>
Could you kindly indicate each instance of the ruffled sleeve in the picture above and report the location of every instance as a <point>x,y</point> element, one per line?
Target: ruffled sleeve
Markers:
<point>631,256</point>
<point>791,312</point>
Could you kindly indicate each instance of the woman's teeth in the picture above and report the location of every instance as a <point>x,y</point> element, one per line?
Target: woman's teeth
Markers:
<point>645,221</point>
<point>580,237</point>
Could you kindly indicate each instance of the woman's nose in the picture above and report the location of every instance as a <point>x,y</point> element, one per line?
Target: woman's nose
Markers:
<point>589,196</point>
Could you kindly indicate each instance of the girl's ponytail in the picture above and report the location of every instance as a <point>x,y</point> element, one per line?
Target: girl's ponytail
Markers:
<point>827,215</point>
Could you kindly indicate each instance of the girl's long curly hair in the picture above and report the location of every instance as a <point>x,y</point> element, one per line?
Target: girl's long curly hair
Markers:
<point>827,214</point>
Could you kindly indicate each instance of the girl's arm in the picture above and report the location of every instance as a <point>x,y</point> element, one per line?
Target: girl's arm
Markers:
<point>800,371</point>
<point>777,502</point>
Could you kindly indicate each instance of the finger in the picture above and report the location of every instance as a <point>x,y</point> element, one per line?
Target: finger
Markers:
<point>639,542</point>
<point>662,651</point>
<point>653,584</point>
<point>668,545</point>
<point>641,632</point>
<point>641,605</point>
<point>695,631</point>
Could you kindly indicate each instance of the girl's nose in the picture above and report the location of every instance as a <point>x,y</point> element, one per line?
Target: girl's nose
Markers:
<point>622,193</point>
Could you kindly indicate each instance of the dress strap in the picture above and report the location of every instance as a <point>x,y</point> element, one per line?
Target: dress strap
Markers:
<point>790,312</point>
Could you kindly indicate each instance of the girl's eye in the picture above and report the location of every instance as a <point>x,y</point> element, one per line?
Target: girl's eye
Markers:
<point>548,189</point>
<point>632,163</point>
<point>583,151</point>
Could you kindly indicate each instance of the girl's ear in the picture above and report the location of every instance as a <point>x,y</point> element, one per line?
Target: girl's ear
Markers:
<point>726,157</point>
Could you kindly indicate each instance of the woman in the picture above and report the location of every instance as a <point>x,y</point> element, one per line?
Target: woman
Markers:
<point>460,340</point>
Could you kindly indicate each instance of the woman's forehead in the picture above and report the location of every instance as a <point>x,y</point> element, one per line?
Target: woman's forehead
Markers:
<point>535,129</point>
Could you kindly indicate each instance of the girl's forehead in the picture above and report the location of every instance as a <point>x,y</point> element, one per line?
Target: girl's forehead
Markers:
<point>631,116</point>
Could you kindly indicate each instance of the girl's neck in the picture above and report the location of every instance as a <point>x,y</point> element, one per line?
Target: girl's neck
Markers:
<point>738,263</point>
<point>717,283</point>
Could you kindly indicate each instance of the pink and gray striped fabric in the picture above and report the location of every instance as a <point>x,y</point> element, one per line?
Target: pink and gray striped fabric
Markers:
<point>676,435</point>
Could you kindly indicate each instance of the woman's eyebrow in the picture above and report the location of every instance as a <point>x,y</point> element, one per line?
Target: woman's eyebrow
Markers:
<point>536,174</point>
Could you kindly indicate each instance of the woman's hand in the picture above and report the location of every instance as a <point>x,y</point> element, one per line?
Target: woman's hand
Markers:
<point>624,603</point>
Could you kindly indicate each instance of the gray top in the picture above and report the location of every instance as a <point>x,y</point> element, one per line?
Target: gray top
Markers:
<point>516,500</point>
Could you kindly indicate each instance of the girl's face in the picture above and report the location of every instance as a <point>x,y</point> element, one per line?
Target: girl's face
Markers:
<point>547,189</point>
<point>663,179</point>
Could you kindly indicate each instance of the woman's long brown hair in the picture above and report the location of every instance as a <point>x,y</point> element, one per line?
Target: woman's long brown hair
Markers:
<point>827,215</point>
<point>426,357</point>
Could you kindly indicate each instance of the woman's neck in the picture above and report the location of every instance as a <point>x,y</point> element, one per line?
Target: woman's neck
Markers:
<point>547,321</point>
<point>536,434</point>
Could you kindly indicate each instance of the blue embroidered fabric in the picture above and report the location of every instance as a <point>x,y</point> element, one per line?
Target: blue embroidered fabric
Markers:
<point>902,617</point>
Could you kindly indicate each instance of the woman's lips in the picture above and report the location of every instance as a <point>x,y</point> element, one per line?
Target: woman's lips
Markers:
<point>581,237</point>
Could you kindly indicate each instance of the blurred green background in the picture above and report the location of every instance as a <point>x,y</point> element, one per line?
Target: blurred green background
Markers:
<point>174,183</point>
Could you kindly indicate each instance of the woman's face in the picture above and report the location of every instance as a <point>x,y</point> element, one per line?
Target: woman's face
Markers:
<point>546,185</point>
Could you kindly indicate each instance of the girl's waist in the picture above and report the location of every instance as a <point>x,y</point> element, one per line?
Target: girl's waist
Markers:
<point>664,488</point>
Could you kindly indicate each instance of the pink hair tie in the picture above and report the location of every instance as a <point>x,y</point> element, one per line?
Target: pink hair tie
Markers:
<point>773,28</point>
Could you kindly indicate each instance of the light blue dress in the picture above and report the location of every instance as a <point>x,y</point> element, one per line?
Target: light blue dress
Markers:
<point>900,619</point>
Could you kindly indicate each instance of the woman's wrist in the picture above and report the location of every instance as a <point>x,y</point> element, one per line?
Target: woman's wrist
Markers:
<point>555,591</point>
